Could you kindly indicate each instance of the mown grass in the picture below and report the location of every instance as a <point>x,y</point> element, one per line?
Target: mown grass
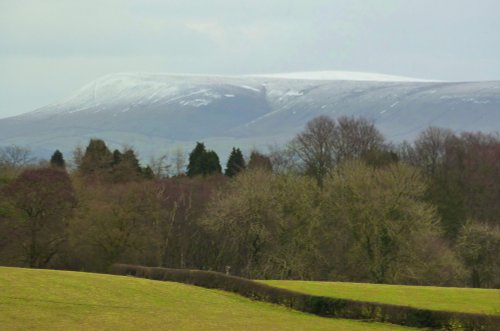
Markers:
<point>60,300</point>
<point>465,300</point>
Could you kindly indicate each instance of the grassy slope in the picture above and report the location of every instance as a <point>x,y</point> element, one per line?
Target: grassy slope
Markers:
<point>57,300</point>
<point>428,297</point>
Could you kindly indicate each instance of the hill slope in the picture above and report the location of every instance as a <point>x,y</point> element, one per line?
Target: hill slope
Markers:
<point>155,112</point>
<point>58,300</point>
<point>464,300</point>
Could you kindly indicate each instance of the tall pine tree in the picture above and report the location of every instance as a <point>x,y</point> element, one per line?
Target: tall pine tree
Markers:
<point>117,157</point>
<point>57,160</point>
<point>211,164</point>
<point>196,159</point>
<point>235,163</point>
<point>203,162</point>
<point>97,159</point>
<point>126,166</point>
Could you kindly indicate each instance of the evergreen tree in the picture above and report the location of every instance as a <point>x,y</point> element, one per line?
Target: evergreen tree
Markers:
<point>203,162</point>
<point>129,158</point>
<point>147,172</point>
<point>126,166</point>
<point>195,159</point>
<point>235,163</point>
<point>211,164</point>
<point>97,158</point>
<point>57,160</point>
<point>117,157</point>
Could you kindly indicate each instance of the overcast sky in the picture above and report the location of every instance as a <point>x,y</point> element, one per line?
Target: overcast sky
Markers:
<point>50,48</point>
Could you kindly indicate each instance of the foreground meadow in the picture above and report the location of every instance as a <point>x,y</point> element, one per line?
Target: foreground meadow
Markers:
<point>59,300</point>
<point>466,300</point>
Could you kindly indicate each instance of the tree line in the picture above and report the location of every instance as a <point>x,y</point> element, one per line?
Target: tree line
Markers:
<point>338,202</point>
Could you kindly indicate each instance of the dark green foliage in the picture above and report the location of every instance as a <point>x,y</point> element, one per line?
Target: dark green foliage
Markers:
<point>118,167</point>
<point>195,160</point>
<point>446,193</point>
<point>126,167</point>
<point>97,159</point>
<point>422,318</point>
<point>323,306</point>
<point>380,158</point>
<point>57,160</point>
<point>211,164</point>
<point>203,162</point>
<point>147,172</point>
<point>117,157</point>
<point>235,163</point>
<point>129,158</point>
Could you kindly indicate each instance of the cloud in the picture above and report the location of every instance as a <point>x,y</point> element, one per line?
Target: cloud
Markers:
<point>208,28</point>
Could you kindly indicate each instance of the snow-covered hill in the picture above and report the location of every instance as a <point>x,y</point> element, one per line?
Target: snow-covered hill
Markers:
<point>158,112</point>
<point>341,75</point>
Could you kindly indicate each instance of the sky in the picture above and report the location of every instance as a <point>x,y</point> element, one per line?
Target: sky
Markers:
<point>50,48</point>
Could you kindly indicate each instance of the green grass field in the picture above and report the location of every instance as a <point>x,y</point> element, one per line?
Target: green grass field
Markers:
<point>483,301</point>
<point>59,300</point>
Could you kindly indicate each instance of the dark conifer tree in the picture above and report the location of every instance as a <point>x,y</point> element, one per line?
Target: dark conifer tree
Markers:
<point>147,172</point>
<point>126,166</point>
<point>211,164</point>
<point>129,158</point>
<point>235,163</point>
<point>57,160</point>
<point>203,162</point>
<point>117,157</point>
<point>195,160</point>
<point>97,159</point>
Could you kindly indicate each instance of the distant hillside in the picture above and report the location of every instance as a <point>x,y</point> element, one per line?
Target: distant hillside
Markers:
<point>157,112</point>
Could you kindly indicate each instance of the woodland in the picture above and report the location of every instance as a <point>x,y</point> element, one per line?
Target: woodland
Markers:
<point>338,202</point>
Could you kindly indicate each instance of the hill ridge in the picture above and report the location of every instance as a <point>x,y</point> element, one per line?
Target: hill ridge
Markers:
<point>156,113</point>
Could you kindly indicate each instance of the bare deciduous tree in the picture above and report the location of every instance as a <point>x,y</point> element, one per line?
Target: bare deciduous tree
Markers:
<point>430,147</point>
<point>325,143</point>
<point>258,160</point>
<point>160,166</point>
<point>15,156</point>
<point>355,138</point>
<point>283,159</point>
<point>478,245</point>
<point>44,200</point>
<point>315,146</point>
<point>179,161</point>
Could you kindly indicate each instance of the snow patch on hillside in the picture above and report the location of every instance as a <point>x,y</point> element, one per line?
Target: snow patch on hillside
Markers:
<point>341,75</point>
